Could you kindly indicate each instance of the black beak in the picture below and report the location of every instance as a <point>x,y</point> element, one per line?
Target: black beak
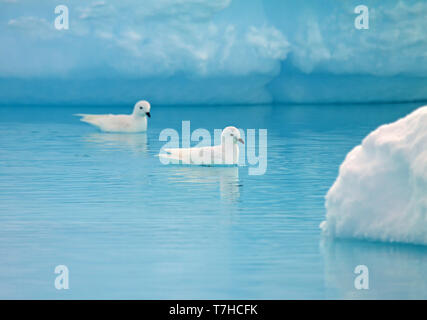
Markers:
<point>148,114</point>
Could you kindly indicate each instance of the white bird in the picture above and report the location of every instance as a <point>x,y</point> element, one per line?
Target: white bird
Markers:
<point>135,122</point>
<point>227,153</point>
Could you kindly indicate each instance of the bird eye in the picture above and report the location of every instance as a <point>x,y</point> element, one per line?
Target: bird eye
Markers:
<point>140,108</point>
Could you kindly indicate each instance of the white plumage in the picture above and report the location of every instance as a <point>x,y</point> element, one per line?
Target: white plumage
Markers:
<point>135,122</point>
<point>227,153</point>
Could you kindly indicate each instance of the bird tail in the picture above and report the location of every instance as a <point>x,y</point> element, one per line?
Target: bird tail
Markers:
<point>170,153</point>
<point>89,118</point>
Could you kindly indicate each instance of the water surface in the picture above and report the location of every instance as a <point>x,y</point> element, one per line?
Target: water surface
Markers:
<point>128,227</point>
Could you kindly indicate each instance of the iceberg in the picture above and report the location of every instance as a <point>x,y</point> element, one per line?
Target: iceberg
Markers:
<point>381,190</point>
<point>213,52</point>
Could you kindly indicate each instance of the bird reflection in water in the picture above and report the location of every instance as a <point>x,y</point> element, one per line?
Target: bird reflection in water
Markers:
<point>136,142</point>
<point>227,178</point>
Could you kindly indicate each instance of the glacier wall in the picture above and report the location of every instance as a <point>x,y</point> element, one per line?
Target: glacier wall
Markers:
<point>202,51</point>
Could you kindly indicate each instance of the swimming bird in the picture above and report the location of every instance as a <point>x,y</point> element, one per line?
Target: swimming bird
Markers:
<point>135,122</point>
<point>227,153</point>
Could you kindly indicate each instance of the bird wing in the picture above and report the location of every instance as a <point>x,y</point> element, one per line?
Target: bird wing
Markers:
<point>180,153</point>
<point>95,119</point>
<point>107,122</point>
<point>197,155</point>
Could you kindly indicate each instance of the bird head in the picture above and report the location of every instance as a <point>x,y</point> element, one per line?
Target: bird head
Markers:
<point>142,108</point>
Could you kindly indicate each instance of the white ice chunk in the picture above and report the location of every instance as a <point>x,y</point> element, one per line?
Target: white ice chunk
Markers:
<point>381,190</point>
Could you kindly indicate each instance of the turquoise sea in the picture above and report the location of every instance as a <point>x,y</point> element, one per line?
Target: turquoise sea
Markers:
<point>129,227</point>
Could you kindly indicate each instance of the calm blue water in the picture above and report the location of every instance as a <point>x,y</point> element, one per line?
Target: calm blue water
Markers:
<point>127,226</point>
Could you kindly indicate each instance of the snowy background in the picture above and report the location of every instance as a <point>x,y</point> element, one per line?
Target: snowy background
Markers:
<point>203,51</point>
